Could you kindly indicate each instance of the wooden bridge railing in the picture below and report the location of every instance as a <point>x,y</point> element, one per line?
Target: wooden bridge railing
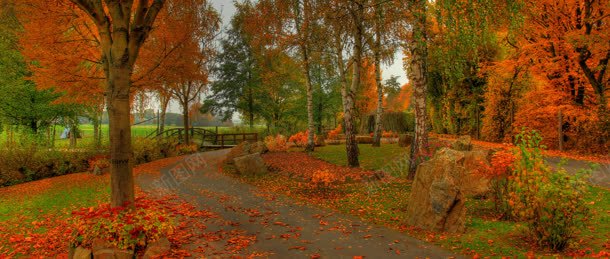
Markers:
<point>208,138</point>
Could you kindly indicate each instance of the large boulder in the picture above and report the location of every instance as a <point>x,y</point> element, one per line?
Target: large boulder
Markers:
<point>245,148</point>
<point>463,143</point>
<point>474,183</point>
<point>437,201</point>
<point>252,164</point>
<point>258,147</point>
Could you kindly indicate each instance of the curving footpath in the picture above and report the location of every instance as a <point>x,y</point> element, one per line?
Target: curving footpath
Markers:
<point>283,228</point>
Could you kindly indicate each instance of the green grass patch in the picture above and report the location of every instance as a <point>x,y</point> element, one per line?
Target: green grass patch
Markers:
<point>57,196</point>
<point>371,158</point>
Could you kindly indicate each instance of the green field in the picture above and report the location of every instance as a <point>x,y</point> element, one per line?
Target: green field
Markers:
<point>137,131</point>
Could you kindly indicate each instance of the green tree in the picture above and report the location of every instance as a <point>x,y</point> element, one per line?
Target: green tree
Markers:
<point>237,85</point>
<point>21,103</point>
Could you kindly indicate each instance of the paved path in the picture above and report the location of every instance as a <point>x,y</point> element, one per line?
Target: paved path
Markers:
<point>284,229</point>
<point>600,174</point>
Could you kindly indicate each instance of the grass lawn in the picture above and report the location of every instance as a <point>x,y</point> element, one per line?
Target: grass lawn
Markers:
<point>56,196</point>
<point>137,131</point>
<point>371,158</point>
<point>385,203</point>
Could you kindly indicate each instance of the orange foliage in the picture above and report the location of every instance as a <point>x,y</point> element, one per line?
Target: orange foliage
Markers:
<point>400,101</point>
<point>501,164</point>
<point>567,45</point>
<point>300,138</point>
<point>277,143</point>
<point>366,101</point>
<point>64,44</point>
<point>334,134</point>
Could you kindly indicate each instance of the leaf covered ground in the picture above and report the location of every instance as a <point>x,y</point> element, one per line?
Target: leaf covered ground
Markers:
<point>385,202</point>
<point>35,217</point>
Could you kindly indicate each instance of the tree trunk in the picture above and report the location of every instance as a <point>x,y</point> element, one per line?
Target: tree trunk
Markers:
<point>185,121</point>
<point>34,126</point>
<point>121,176</point>
<point>350,133</point>
<point>73,135</point>
<point>310,122</point>
<point>377,57</point>
<point>164,103</point>
<point>417,75</point>
<point>96,131</point>
<point>251,106</point>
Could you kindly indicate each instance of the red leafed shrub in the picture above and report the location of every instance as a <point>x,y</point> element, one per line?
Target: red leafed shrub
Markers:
<point>499,173</point>
<point>501,164</point>
<point>277,143</point>
<point>121,227</point>
<point>300,138</point>
<point>334,134</point>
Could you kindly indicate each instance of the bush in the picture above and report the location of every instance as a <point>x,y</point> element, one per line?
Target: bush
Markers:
<point>323,179</point>
<point>121,227</point>
<point>147,149</point>
<point>300,138</point>
<point>276,143</point>
<point>334,134</point>
<point>29,162</point>
<point>499,173</point>
<point>551,202</point>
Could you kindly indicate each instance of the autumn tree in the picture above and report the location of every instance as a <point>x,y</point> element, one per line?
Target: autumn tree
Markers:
<point>417,68</point>
<point>383,45</point>
<point>188,76</point>
<point>110,35</point>
<point>568,43</point>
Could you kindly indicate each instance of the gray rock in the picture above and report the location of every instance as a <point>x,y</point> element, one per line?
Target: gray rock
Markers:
<point>252,164</point>
<point>437,201</point>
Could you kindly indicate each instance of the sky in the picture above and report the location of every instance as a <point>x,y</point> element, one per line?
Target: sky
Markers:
<point>227,9</point>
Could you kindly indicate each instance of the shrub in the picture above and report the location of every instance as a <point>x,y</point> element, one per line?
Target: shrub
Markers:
<point>323,179</point>
<point>499,173</point>
<point>300,138</point>
<point>121,227</point>
<point>185,149</point>
<point>334,134</point>
<point>276,143</point>
<point>551,202</point>
<point>29,162</point>
<point>146,149</point>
